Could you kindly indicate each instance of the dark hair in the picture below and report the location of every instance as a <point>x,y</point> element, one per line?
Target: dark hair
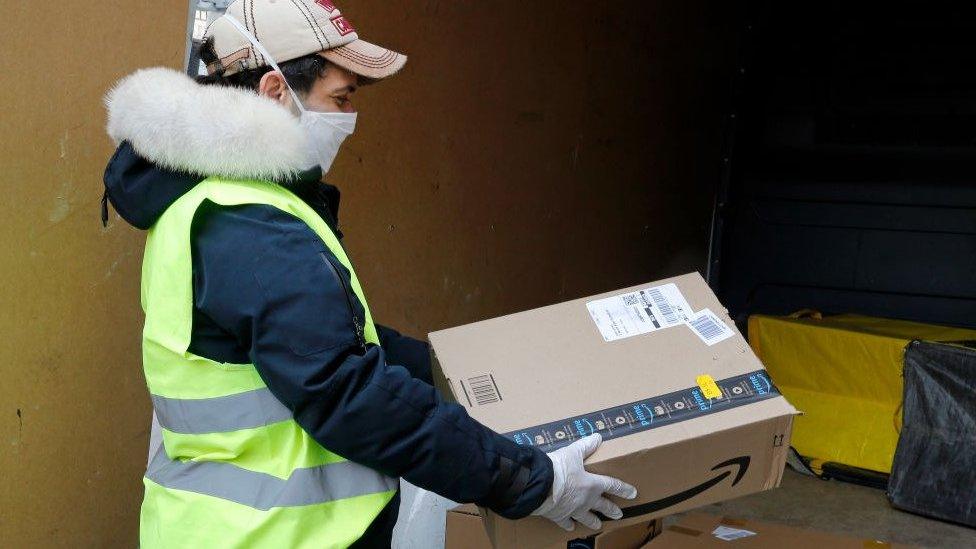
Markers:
<point>300,73</point>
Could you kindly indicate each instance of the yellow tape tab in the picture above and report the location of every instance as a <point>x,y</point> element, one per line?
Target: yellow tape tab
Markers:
<point>708,387</point>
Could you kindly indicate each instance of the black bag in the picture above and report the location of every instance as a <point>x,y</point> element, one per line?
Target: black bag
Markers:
<point>934,470</point>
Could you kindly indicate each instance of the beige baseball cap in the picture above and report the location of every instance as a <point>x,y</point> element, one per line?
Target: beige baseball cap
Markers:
<point>289,29</point>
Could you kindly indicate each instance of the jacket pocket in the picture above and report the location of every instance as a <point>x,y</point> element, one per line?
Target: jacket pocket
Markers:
<point>357,322</point>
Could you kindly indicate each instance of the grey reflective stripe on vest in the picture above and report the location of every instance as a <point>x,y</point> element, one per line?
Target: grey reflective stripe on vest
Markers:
<point>199,416</point>
<point>262,491</point>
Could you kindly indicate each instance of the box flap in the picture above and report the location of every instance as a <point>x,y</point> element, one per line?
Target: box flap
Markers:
<point>466,509</point>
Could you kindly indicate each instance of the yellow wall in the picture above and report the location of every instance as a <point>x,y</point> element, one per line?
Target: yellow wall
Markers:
<point>73,409</point>
<point>531,152</point>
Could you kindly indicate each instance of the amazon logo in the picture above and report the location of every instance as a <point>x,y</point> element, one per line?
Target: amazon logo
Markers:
<point>738,464</point>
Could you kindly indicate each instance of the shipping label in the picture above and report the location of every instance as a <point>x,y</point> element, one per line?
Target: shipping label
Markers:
<point>639,312</point>
<point>709,328</point>
<point>726,533</point>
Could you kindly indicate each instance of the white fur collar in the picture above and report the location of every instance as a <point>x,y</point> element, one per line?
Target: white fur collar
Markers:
<point>210,130</point>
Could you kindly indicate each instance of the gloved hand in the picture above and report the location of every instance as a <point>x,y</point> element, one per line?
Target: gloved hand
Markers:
<point>576,494</point>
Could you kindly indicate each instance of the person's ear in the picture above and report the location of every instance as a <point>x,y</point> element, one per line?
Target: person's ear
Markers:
<point>273,86</point>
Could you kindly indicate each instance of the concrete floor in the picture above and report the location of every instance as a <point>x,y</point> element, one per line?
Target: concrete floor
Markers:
<point>842,508</point>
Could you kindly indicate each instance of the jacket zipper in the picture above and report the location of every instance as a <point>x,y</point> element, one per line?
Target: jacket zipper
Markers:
<point>357,324</point>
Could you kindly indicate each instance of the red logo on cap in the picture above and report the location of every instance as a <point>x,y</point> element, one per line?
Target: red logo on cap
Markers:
<point>342,25</point>
<point>329,6</point>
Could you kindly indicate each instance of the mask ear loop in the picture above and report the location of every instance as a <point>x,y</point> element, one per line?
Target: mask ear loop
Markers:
<point>261,49</point>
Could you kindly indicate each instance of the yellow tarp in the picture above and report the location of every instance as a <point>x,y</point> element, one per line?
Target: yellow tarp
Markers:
<point>844,373</point>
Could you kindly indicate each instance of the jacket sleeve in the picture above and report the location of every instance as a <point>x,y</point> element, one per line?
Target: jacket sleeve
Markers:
<point>412,354</point>
<point>267,279</point>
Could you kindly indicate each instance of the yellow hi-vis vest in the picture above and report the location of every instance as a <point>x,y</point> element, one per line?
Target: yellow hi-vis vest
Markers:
<point>235,469</point>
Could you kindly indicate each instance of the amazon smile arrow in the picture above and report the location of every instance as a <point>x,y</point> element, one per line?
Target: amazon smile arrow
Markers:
<point>741,465</point>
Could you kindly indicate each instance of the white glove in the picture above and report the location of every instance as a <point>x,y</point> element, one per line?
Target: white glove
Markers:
<point>576,494</point>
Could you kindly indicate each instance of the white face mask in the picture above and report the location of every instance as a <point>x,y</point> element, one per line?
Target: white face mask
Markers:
<point>325,130</point>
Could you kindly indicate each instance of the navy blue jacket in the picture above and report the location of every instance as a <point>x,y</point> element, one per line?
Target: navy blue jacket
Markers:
<point>265,292</point>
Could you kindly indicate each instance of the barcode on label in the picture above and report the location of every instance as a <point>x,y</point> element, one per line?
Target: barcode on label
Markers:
<point>483,390</point>
<point>663,305</point>
<point>630,299</point>
<point>709,328</point>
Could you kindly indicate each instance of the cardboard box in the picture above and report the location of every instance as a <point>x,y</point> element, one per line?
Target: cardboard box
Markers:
<point>465,531</point>
<point>698,531</point>
<point>688,415</point>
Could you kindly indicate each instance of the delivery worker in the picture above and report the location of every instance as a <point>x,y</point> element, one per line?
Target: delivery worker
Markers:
<point>287,415</point>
